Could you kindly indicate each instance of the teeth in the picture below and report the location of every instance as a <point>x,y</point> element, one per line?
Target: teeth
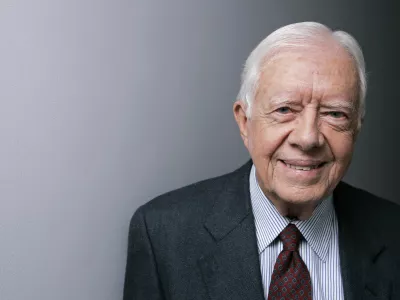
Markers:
<point>301,167</point>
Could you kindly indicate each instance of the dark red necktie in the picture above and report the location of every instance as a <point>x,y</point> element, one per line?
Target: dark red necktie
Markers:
<point>290,279</point>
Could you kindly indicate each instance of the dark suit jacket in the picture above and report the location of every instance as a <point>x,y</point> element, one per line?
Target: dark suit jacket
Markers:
<point>199,242</point>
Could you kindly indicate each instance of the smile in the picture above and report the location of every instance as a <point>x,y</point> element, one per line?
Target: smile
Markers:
<point>303,166</point>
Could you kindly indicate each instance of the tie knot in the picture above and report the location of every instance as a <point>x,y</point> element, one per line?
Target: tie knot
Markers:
<point>290,237</point>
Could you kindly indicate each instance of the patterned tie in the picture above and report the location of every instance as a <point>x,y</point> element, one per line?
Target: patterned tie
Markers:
<point>290,279</point>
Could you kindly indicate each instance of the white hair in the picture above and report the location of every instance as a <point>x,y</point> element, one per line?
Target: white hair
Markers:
<point>298,35</point>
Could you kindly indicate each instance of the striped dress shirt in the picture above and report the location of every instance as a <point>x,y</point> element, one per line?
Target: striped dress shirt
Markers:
<point>319,249</point>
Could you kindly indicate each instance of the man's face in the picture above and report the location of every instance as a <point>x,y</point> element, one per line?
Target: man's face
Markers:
<point>303,123</point>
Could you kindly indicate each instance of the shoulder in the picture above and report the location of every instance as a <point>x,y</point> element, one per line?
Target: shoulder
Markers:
<point>191,204</point>
<point>373,212</point>
<point>187,198</point>
<point>367,202</point>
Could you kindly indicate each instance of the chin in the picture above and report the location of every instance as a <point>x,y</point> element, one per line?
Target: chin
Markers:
<point>303,195</point>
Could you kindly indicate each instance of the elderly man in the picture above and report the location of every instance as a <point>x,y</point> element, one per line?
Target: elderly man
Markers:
<point>283,226</point>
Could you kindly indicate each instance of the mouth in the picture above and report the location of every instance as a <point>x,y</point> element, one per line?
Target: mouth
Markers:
<point>303,165</point>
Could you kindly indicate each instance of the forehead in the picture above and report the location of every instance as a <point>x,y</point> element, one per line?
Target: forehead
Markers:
<point>309,73</point>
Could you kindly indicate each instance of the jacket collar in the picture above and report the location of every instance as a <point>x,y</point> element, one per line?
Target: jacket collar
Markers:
<point>231,268</point>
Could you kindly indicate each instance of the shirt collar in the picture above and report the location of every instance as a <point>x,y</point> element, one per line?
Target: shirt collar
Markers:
<point>317,230</point>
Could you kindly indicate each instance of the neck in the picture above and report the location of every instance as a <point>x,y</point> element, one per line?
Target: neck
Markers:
<point>294,210</point>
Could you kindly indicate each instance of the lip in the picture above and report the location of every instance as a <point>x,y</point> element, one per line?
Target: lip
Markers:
<point>306,176</point>
<point>303,162</point>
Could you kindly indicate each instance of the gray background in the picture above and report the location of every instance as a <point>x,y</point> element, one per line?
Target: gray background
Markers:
<point>105,104</point>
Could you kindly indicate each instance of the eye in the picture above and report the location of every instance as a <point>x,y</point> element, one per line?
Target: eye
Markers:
<point>284,110</point>
<point>337,114</point>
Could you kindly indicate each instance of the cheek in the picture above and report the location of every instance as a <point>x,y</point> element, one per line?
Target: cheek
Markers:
<point>341,145</point>
<point>265,139</point>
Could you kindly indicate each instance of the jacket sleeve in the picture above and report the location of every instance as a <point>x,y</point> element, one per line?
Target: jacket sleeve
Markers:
<point>141,276</point>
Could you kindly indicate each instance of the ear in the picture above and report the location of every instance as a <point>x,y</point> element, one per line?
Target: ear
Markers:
<point>239,111</point>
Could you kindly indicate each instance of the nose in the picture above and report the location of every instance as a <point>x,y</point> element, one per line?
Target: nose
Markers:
<point>306,135</point>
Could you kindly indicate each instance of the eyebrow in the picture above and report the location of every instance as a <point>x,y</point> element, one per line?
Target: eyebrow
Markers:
<point>334,104</point>
<point>330,104</point>
<point>284,99</point>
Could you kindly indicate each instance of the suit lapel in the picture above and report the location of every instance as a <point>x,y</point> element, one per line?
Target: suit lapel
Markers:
<point>231,268</point>
<point>359,251</point>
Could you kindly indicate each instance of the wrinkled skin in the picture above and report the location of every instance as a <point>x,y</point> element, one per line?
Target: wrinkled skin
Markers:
<point>304,115</point>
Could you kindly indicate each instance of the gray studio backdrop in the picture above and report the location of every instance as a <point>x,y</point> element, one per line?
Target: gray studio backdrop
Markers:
<point>105,104</point>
